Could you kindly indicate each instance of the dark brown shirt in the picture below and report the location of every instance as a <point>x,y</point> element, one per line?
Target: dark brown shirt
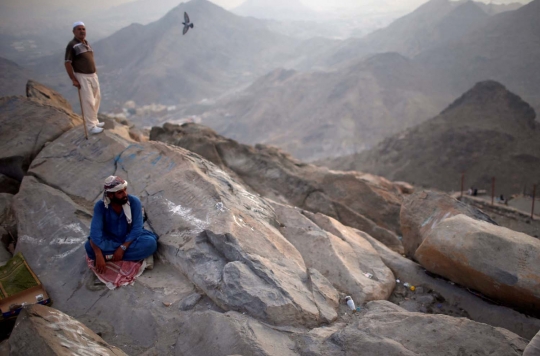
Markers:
<point>81,56</point>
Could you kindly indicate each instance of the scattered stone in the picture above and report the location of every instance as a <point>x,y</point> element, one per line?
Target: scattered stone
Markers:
<point>190,301</point>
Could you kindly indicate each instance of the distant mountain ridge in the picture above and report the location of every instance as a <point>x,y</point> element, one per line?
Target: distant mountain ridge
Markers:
<point>13,78</point>
<point>487,132</point>
<point>277,10</point>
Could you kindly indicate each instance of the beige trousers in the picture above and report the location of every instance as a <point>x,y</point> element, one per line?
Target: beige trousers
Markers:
<point>90,97</point>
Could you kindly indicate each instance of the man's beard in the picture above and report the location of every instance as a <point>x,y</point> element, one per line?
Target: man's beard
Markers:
<point>122,201</point>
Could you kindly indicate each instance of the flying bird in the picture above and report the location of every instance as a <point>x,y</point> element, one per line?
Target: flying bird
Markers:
<point>186,23</point>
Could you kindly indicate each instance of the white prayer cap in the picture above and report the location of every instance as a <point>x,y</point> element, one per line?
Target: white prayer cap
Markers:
<point>78,23</point>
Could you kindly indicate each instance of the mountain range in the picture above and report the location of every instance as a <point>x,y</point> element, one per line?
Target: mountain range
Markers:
<point>487,132</point>
<point>316,114</point>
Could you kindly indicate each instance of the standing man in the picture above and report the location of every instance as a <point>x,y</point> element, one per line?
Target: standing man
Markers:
<point>81,68</point>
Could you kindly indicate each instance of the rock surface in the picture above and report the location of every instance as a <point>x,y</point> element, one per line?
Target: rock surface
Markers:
<point>363,201</point>
<point>344,261</point>
<point>211,333</point>
<point>424,210</point>
<point>533,349</point>
<point>32,125</point>
<point>45,95</point>
<point>498,262</point>
<point>454,297</point>
<point>41,330</point>
<point>386,329</point>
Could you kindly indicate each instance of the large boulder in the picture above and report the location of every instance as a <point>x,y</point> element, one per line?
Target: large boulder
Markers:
<point>424,210</point>
<point>384,329</point>
<point>45,95</point>
<point>25,127</point>
<point>45,331</point>
<point>496,261</point>
<point>225,239</point>
<point>452,296</point>
<point>363,201</point>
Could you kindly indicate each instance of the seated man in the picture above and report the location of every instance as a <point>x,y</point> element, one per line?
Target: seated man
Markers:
<point>117,231</point>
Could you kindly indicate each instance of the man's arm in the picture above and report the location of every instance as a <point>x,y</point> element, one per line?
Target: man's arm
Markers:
<point>100,260</point>
<point>71,73</point>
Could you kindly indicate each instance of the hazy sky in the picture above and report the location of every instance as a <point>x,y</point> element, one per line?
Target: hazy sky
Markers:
<point>228,4</point>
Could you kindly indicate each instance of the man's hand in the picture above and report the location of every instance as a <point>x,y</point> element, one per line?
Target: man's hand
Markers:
<point>100,263</point>
<point>118,254</point>
<point>76,83</point>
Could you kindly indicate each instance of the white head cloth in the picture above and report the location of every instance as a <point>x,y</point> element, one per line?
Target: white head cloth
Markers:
<point>78,23</point>
<point>114,184</point>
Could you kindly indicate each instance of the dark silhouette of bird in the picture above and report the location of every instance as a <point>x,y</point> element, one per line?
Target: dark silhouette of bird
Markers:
<point>186,23</point>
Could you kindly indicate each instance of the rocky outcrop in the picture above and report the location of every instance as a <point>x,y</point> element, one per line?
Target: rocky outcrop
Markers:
<point>341,255</point>
<point>498,262</point>
<point>33,125</point>
<point>222,237</point>
<point>363,201</point>
<point>236,273</point>
<point>45,95</point>
<point>386,329</point>
<point>41,330</point>
<point>422,211</point>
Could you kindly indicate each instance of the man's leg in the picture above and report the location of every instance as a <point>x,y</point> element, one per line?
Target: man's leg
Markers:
<point>97,94</point>
<point>141,248</point>
<point>88,100</point>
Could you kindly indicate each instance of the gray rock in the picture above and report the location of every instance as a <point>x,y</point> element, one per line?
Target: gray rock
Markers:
<point>211,333</point>
<point>190,301</point>
<point>33,125</point>
<point>325,295</point>
<point>46,331</point>
<point>342,260</point>
<point>533,349</point>
<point>495,261</point>
<point>392,331</point>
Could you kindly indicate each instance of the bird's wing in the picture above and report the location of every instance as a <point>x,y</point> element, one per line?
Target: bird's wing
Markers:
<point>186,29</point>
<point>186,17</point>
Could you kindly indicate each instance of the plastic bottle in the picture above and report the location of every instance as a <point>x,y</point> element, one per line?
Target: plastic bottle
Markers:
<point>350,303</point>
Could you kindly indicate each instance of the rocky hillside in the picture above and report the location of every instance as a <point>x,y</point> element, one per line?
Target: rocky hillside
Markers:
<point>352,107</point>
<point>488,132</point>
<point>241,273</point>
<point>323,114</point>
